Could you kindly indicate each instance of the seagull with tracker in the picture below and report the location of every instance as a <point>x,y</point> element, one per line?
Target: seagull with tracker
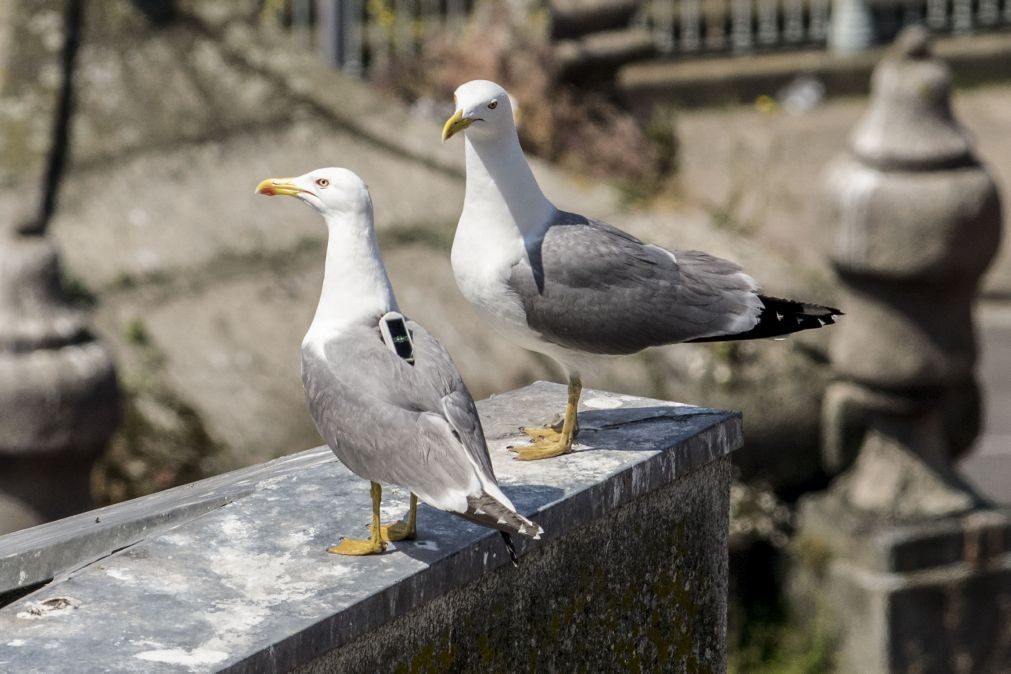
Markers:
<point>382,391</point>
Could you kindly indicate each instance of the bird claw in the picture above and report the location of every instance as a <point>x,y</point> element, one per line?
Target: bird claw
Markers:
<point>542,450</point>
<point>543,433</point>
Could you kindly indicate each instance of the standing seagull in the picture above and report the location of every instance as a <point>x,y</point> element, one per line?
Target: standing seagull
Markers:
<point>400,416</point>
<point>572,287</point>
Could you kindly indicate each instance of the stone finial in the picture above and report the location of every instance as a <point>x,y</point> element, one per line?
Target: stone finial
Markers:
<point>917,222</point>
<point>59,398</point>
<point>910,123</point>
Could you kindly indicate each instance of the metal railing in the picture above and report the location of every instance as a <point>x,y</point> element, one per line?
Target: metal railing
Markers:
<point>745,26</point>
<point>689,26</point>
<point>354,34</point>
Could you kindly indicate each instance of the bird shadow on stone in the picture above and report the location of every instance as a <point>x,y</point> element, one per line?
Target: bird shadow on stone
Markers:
<point>639,429</point>
<point>442,534</point>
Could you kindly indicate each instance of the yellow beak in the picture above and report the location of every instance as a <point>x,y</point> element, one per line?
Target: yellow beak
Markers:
<point>274,186</point>
<point>454,125</point>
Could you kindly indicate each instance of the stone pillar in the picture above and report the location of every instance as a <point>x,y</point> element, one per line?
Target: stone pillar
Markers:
<point>901,539</point>
<point>918,220</point>
<point>59,401</point>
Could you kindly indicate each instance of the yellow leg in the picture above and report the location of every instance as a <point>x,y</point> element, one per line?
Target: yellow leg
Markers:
<point>400,530</point>
<point>371,546</point>
<point>553,443</point>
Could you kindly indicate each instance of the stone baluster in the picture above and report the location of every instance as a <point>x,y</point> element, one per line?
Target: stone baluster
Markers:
<point>59,399</point>
<point>918,220</point>
<point>902,555</point>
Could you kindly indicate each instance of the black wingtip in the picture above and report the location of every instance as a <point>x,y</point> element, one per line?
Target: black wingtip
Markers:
<point>510,548</point>
<point>780,317</point>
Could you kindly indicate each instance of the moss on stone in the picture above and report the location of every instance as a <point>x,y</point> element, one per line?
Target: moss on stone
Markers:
<point>813,552</point>
<point>640,590</point>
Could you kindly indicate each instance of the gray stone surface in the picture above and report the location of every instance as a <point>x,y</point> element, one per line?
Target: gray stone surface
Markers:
<point>909,123</point>
<point>756,172</point>
<point>988,466</point>
<point>30,41</point>
<point>932,597</point>
<point>236,575</point>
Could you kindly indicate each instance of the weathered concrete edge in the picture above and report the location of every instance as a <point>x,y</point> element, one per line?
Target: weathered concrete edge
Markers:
<point>714,443</point>
<point>40,553</point>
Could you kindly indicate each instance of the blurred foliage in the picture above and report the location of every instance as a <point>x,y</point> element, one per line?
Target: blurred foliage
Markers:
<point>756,514</point>
<point>762,635</point>
<point>582,130</point>
<point>772,645</point>
<point>77,293</point>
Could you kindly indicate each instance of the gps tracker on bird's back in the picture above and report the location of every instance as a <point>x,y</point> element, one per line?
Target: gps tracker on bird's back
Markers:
<point>396,335</point>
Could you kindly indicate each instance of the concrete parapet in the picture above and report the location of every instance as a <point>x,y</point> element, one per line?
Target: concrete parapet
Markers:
<point>232,573</point>
<point>932,596</point>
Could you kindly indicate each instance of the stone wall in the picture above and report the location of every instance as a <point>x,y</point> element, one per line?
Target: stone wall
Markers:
<point>232,573</point>
<point>597,601</point>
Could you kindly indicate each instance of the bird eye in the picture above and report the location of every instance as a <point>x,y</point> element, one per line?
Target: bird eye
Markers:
<point>322,182</point>
<point>493,105</point>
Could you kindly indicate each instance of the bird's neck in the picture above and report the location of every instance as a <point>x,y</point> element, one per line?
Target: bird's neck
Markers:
<point>356,287</point>
<point>501,187</point>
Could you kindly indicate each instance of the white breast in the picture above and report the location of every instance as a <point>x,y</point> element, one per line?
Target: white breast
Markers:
<point>481,266</point>
<point>482,273</point>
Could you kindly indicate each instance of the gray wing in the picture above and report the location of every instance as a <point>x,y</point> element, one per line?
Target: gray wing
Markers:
<point>434,364</point>
<point>388,421</point>
<point>592,287</point>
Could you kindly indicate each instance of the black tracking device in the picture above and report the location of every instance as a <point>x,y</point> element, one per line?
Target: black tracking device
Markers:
<point>396,335</point>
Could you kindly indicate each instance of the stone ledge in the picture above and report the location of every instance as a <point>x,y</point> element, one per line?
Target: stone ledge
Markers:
<point>232,572</point>
<point>701,82</point>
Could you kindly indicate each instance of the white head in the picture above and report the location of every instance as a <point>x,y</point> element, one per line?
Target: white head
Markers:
<point>483,108</point>
<point>355,284</point>
<point>331,191</point>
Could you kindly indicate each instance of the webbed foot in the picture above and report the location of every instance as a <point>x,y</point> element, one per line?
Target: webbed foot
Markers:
<point>358,547</point>
<point>543,449</point>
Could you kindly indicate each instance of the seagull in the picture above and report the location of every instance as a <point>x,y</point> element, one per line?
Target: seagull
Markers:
<point>574,288</point>
<point>382,391</point>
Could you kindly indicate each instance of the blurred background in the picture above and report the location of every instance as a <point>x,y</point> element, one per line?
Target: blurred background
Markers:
<point>151,307</point>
